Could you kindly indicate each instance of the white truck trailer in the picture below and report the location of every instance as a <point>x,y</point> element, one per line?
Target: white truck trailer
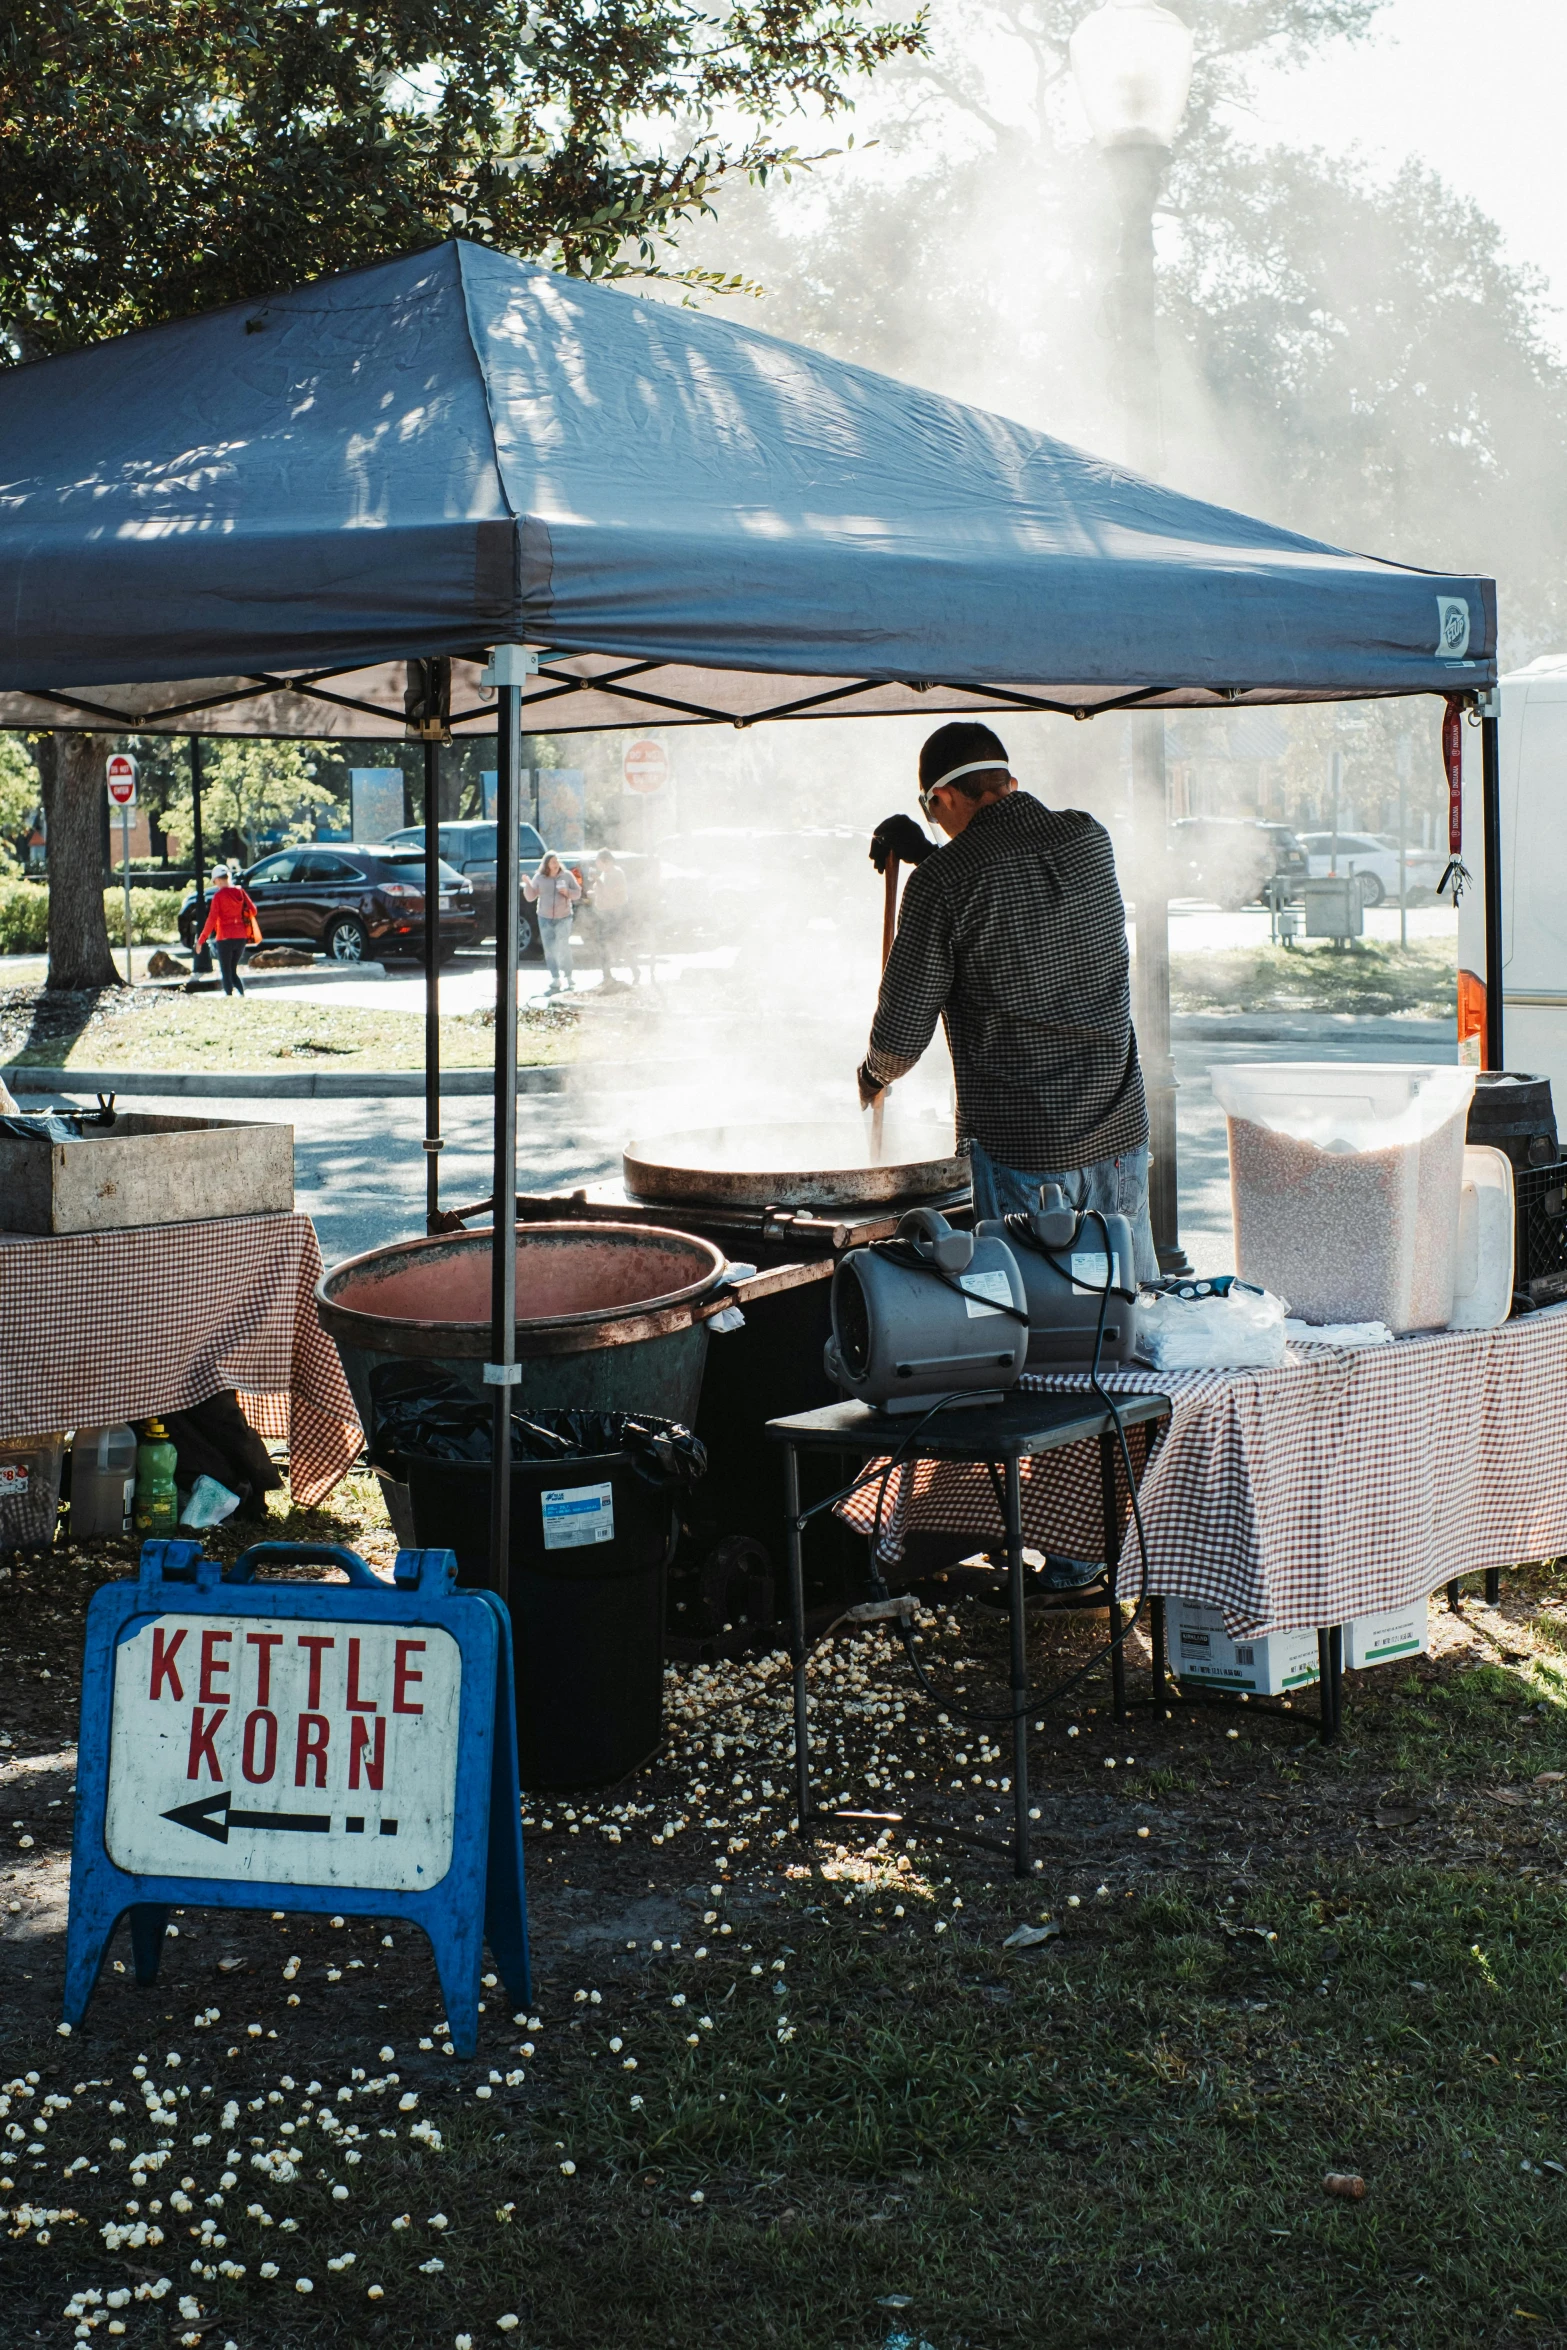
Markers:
<point>1533,777</point>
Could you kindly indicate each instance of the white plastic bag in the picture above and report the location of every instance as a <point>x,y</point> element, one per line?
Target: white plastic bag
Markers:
<point>1242,1330</point>
<point>1348,1334</point>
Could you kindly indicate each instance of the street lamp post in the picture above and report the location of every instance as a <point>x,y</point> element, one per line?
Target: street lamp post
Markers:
<point>1132,62</point>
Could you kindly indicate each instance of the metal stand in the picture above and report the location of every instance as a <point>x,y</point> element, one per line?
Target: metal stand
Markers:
<point>1110,1518</point>
<point>433,1144</point>
<point>201,961</point>
<point>989,1436</point>
<point>1493,1591</point>
<point>510,668</point>
<point>1491,824</point>
<point>1330,1666</point>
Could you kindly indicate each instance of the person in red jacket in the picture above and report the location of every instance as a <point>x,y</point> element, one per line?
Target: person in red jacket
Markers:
<point>231,925</point>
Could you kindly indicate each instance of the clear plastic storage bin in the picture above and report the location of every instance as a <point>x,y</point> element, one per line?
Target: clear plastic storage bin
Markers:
<point>1345,1182</point>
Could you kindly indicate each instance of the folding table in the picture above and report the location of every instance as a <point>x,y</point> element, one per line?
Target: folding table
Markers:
<point>996,1436</point>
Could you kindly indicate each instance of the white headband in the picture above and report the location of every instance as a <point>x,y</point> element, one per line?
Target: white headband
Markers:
<point>974,767</point>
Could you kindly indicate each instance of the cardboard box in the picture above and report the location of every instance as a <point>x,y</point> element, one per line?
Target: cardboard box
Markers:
<point>1199,1649</point>
<point>146,1169</point>
<point>1381,1640</point>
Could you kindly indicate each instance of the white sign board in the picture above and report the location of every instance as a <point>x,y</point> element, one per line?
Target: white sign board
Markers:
<point>281,1751</point>
<point>645,768</point>
<point>120,771</point>
<point>376,801</point>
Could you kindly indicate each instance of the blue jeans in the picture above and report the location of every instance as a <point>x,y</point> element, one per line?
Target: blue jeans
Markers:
<point>557,947</point>
<point>1116,1187</point>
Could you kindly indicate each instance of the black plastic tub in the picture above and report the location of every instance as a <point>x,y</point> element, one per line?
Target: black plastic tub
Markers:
<point>587,1621</point>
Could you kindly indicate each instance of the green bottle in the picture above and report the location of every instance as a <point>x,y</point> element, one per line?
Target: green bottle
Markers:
<point>157,1509</point>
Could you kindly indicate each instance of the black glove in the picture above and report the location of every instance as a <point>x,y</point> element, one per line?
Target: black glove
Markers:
<point>900,837</point>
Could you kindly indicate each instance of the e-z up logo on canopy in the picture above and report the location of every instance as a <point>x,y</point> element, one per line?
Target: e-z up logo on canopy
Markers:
<point>310,1752</point>
<point>299,1746</point>
<point>1452,627</point>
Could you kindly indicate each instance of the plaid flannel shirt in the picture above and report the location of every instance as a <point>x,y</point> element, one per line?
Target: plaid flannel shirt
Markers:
<point>1014,935</point>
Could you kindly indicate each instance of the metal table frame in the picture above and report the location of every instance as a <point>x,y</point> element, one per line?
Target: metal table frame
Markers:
<point>986,1436</point>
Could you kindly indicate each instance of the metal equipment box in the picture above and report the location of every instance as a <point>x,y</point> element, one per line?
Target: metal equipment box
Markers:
<point>1334,906</point>
<point>146,1170</point>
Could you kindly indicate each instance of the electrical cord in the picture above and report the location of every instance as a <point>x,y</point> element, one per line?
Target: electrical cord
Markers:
<point>882,1476</point>
<point>903,1252</point>
<point>1108,1403</point>
<point>1020,1232</point>
<point>869,1477</point>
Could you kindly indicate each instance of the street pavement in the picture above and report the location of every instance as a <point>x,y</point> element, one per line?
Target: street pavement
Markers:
<point>773,1036</point>
<point>359,1168</point>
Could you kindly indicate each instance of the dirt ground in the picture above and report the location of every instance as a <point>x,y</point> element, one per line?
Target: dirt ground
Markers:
<point>1210,1875</point>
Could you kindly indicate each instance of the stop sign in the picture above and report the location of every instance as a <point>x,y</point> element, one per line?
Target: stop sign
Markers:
<point>645,767</point>
<point>121,772</point>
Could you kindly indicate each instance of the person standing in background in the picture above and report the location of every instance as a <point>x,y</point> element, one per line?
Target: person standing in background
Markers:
<point>555,892</point>
<point>233,926</point>
<point>611,897</point>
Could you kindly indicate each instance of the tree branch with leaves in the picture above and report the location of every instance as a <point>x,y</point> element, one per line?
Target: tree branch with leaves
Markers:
<point>161,157</point>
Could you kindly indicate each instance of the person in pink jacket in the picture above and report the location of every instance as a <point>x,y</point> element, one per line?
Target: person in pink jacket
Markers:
<point>555,891</point>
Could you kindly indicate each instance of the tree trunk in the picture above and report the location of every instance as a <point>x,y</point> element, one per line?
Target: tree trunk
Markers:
<point>73,786</point>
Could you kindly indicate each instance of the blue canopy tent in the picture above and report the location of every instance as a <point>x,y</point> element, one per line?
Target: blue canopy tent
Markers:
<point>317,514</point>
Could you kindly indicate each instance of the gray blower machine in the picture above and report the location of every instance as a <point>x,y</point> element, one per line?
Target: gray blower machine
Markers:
<point>1061,1253</point>
<point>938,1312</point>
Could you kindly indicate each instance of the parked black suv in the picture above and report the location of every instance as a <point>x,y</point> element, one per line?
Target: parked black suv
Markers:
<point>358,905</point>
<point>468,846</point>
<point>1230,860</point>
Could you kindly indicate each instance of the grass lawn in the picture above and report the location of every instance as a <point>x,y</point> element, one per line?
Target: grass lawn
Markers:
<point>148,1029</point>
<point>761,2097</point>
<point>1364,978</point>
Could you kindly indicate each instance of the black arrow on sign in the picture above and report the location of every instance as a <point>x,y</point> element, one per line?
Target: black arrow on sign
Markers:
<point>213,1816</point>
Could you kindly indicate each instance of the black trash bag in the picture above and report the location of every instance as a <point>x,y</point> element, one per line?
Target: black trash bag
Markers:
<point>214,1439</point>
<point>420,1412</point>
<point>58,1125</point>
<point>415,1409</point>
<point>661,1451</point>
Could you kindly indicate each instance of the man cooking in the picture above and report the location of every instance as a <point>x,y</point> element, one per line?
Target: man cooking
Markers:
<point>1014,934</point>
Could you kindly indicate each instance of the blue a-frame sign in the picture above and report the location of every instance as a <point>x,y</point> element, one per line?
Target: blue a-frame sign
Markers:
<point>307,1746</point>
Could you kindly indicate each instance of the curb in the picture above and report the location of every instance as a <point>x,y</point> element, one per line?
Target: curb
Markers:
<point>1302,1027</point>
<point>293,1085</point>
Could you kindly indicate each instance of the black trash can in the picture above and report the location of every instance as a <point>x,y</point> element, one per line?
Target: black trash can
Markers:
<point>593,1527</point>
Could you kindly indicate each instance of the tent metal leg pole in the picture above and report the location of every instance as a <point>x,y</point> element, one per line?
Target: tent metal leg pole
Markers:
<point>432,982</point>
<point>202,960</point>
<point>1152,986</point>
<point>1491,786</point>
<point>507,668</point>
<point>1017,1608</point>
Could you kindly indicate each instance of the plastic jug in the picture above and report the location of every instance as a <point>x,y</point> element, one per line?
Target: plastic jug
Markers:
<point>1483,1288</point>
<point>103,1481</point>
<point>156,1511</point>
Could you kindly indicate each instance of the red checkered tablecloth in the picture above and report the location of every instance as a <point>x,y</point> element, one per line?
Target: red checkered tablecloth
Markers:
<point>1343,1484</point>
<point>98,1327</point>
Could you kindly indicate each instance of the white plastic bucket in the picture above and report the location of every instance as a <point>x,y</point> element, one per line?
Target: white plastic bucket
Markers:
<point>1345,1183</point>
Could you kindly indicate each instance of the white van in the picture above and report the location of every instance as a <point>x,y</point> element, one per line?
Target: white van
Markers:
<point>1533,744</point>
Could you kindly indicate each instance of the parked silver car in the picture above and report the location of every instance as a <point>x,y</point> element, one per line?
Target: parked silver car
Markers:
<point>1373,859</point>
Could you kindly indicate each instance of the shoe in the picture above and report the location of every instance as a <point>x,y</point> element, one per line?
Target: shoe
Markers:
<point>1064,1574</point>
